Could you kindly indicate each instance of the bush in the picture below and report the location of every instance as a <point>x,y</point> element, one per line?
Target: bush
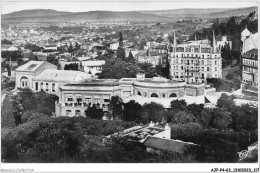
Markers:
<point>229,76</point>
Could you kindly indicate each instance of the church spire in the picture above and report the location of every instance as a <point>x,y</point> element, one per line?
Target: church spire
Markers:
<point>214,46</point>
<point>174,39</point>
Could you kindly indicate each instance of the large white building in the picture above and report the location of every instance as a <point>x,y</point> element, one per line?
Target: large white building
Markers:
<point>44,76</point>
<point>195,62</point>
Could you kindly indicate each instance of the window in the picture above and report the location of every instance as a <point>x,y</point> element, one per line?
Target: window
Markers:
<point>181,67</point>
<point>53,87</point>
<point>202,68</point>
<point>202,56</point>
<point>207,68</point>
<point>196,55</point>
<point>182,61</point>
<point>215,62</point>
<point>24,82</point>
<point>47,87</point>
<point>202,62</point>
<point>182,55</point>
<point>216,69</point>
<point>41,86</point>
<point>139,93</point>
<point>173,95</point>
<point>191,61</point>
<point>36,86</point>
<point>70,99</point>
<point>187,55</point>
<point>191,55</point>
<point>154,95</point>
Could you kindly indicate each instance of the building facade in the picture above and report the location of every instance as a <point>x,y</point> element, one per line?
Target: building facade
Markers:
<point>74,99</point>
<point>250,70</point>
<point>195,62</point>
<point>43,76</point>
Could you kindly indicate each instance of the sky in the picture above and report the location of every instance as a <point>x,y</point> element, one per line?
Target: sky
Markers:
<point>8,6</point>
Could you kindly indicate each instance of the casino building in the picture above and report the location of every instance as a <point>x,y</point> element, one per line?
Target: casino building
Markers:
<point>74,99</point>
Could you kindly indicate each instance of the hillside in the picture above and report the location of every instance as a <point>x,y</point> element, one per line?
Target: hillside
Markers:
<point>41,15</point>
<point>202,13</point>
<point>82,16</point>
<point>34,13</point>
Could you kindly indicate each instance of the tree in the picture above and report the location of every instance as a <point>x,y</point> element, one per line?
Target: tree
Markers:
<point>180,117</point>
<point>117,69</point>
<point>226,101</point>
<point>204,118</point>
<point>179,105</point>
<point>131,58</point>
<point>132,111</point>
<point>5,41</point>
<point>120,39</point>
<point>152,112</point>
<point>70,48</point>
<point>222,119</point>
<point>148,69</point>
<point>53,60</point>
<point>121,54</point>
<point>72,66</point>
<point>195,109</point>
<point>94,112</point>
<point>115,106</point>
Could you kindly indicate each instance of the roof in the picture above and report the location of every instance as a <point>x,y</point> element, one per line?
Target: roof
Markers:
<point>166,144</point>
<point>252,51</point>
<point>97,82</point>
<point>74,59</point>
<point>62,76</point>
<point>31,66</point>
<point>245,32</point>
<point>93,63</point>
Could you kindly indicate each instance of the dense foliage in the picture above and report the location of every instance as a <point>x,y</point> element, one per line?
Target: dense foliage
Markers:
<point>5,41</point>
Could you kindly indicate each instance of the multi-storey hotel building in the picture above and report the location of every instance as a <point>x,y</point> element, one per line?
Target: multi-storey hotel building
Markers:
<point>195,62</point>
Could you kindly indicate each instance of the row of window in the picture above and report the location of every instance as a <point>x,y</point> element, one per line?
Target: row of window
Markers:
<point>196,62</point>
<point>196,55</point>
<point>182,75</point>
<point>47,87</point>
<point>250,69</point>
<point>79,100</point>
<point>193,68</point>
<point>250,63</point>
<point>156,95</point>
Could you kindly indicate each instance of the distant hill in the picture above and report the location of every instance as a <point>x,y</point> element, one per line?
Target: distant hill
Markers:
<point>190,13</point>
<point>34,13</point>
<point>55,16</point>
<point>41,15</point>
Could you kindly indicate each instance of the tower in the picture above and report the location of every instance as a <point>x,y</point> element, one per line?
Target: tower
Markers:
<point>214,46</point>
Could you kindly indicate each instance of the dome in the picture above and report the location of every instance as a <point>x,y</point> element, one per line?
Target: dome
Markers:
<point>245,32</point>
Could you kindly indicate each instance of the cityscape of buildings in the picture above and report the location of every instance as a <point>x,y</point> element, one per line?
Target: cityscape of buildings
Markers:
<point>93,69</point>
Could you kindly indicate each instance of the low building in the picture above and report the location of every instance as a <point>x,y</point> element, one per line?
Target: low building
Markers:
<point>92,66</point>
<point>9,48</point>
<point>44,76</point>
<point>224,41</point>
<point>76,98</point>
<point>156,137</point>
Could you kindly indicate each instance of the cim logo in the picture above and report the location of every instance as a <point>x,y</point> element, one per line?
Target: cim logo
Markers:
<point>243,154</point>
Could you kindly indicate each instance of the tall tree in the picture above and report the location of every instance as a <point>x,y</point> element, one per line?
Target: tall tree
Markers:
<point>120,39</point>
<point>132,111</point>
<point>116,107</point>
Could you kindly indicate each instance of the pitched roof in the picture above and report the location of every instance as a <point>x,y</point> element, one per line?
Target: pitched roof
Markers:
<point>252,51</point>
<point>62,76</point>
<point>166,144</point>
<point>30,66</point>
